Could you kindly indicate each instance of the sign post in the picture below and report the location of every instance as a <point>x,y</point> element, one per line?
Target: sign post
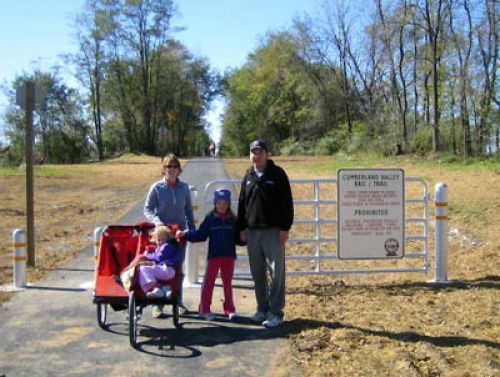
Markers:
<point>30,200</point>
<point>28,96</point>
<point>371,213</point>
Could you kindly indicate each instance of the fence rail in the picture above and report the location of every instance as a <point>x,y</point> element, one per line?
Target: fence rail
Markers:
<point>317,256</point>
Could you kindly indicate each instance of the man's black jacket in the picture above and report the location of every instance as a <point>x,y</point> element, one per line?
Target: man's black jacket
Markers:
<point>265,202</point>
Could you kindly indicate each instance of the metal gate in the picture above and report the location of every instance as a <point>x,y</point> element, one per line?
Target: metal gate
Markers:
<point>323,260</point>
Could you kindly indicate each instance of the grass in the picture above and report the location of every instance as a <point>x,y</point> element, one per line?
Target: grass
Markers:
<point>43,171</point>
<point>94,194</point>
<point>396,324</point>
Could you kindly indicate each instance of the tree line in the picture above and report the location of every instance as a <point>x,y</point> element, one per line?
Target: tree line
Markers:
<point>402,76</point>
<point>398,76</point>
<point>143,90</point>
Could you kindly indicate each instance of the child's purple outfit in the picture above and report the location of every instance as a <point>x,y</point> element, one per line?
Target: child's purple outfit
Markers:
<point>166,258</point>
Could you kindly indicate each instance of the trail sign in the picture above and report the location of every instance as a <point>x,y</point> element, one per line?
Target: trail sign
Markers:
<point>370,213</point>
<point>40,92</point>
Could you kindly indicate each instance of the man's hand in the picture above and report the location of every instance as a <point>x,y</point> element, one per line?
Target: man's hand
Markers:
<point>244,236</point>
<point>283,236</point>
<point>180,233</point>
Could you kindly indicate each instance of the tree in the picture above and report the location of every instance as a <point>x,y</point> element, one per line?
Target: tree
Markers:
<point>488,41</point>
<point>61,133</point>
<point>270,97</point>
<point>90,27</point>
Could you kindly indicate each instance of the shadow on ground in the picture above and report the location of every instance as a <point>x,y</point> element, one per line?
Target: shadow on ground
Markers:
<point>194,334</point>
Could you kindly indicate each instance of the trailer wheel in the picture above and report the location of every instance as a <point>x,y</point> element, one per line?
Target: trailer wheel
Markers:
<point>175,315</point>
<point>132,320</point>
<point>102,313</point>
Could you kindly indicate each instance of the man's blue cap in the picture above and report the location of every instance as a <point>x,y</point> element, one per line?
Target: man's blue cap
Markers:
<point>222,194</point>
<point>258,144</point>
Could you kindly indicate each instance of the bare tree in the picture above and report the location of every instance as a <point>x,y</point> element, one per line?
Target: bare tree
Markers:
<point>463,48</point>
<point>488,40</point>
<point>91,60</point>
<point>434,20</point>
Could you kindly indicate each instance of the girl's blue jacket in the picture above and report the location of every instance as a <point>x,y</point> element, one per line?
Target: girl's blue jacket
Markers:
<point>222,233</point>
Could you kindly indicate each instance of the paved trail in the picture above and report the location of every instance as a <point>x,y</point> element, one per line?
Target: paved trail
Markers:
<point>50,329</point>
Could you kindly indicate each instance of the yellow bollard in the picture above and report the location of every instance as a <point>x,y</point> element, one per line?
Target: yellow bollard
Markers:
<point>19,257</point>
<point>441,203</point>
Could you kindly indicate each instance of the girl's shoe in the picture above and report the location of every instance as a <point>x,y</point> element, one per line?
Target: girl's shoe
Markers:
<point>155,293</point>
<point>231,316</point>
<point>156,311</point>
<point>209,316</point>
<point>167,290</point>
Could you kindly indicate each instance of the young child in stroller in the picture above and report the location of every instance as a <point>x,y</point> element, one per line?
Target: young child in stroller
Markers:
<point>166,258</point>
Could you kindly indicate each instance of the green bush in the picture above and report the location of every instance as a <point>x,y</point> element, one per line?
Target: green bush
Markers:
<point>421,142</point>
<point>291,146</point>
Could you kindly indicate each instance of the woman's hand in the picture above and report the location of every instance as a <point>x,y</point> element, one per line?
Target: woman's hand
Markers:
<point>244,236</point>
<point>180,233</point>
<point>283,236</point>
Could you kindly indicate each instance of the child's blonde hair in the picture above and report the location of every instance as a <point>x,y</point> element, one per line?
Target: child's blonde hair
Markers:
<point>161,233</point>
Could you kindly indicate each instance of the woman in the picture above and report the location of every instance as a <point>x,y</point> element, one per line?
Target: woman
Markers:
<point>169,202</point>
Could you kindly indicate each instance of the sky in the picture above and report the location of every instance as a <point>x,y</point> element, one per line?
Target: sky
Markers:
<point>35,33</point>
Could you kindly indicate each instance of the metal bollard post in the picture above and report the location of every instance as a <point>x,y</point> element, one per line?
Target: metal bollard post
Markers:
<point>441,203</point>
<point>97,240</point>
<point>191,265</point>
<point>19,251</point>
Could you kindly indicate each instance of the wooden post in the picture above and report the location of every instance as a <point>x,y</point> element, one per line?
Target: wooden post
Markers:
<point>30,212</point>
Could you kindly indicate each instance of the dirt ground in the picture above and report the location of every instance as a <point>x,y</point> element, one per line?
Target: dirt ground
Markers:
<point>70,201</point>
<point>337,325</point>
<point>396,324</point>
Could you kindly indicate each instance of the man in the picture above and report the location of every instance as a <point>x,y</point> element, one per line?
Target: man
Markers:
<point>265,216</point>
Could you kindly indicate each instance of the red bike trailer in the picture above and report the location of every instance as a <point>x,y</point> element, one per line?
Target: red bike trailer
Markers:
<point>119,246</point>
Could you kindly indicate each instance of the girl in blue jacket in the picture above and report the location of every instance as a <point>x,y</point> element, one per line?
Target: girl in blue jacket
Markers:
<point>219,226</point>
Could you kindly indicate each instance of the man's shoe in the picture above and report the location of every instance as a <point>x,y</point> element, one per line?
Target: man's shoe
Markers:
<point>156,311</point>
<point>272,321</point>
<point>258,317</point>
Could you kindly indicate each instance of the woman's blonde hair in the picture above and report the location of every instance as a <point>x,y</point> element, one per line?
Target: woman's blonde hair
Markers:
<point>171,158</point>
<point>161,232</point>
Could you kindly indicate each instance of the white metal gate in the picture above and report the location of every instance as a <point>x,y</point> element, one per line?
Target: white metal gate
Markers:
<point>319,256</point>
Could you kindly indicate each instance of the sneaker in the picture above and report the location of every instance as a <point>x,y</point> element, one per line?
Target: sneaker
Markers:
<point>272,321</point>
<point>156,311</point>
<point>183,309</point>
<point>231,316</point>
<point>209,316</point>
<point>155,293</point>
<point>167,290</point>
<point>258,317</point>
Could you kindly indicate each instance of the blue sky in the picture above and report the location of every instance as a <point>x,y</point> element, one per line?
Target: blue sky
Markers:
<point>34,33</point>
